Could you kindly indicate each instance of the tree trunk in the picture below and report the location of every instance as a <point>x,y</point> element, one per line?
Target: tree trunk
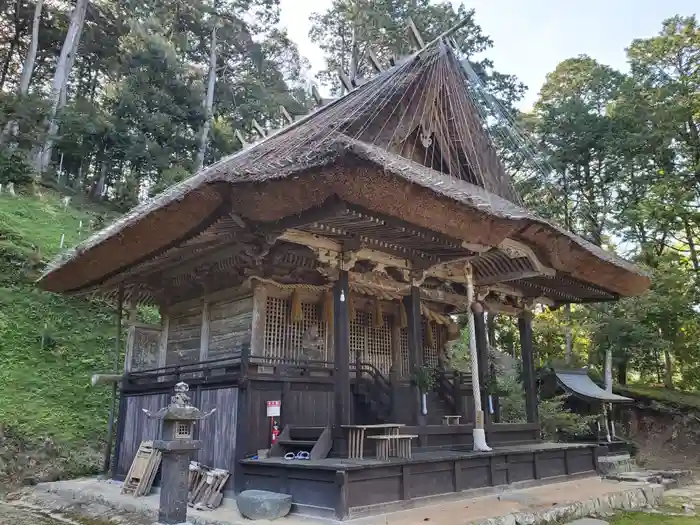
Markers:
<point>71,61</point>
<point>622,372</point>
<point>608,370</point>
<point>59,81</point>
<point>28,67</point>
<point>208,104</point>
<point>27,70</point>
<point>668,370</point>
<point>569,348</point>
<point>691,245</point>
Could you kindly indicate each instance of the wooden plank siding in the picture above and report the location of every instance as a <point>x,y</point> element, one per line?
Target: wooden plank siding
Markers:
<point>184,337</point>
<point>218,431</point>
<point>230,327</point>
<point>138,427</point>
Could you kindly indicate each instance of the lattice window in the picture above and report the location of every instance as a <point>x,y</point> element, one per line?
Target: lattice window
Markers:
<point>372,343</point>
<point>430,353</point>
<point>283,338</point>
<point>405,369</point>
<point>183,430</point>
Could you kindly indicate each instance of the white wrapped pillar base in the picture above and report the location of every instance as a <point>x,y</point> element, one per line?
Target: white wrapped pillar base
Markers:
<point>480,445</point>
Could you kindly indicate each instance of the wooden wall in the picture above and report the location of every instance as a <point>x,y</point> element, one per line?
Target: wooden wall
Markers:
<point>218,431</point>
<point>230,327</point>
<point>184,337</point>
<point>303,403</point>
<point>137,426</point>
<point>201,330</point>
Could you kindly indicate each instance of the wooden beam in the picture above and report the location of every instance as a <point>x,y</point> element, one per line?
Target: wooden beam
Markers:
<point>374,61</point>
<point>345,81</point>
<point>258,128</point>
<point>286,115</point>
<point>240,138</point>
<point>316,96</point>
<point>515,249</point>
<point>415,35</point>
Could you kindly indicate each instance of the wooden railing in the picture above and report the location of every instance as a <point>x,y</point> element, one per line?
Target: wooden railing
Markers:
<point>224,369</point>
<point>373,389</point>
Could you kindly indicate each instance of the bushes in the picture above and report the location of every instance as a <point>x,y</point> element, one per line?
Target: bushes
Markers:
<point>15,168</point>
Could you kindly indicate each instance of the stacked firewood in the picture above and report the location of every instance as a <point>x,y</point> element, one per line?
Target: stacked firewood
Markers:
<point>206,486</point>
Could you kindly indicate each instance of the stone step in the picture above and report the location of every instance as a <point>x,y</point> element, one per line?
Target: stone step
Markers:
<point>669,479</point>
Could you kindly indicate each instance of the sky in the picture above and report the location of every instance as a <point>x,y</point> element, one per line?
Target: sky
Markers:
<point>531,37</point>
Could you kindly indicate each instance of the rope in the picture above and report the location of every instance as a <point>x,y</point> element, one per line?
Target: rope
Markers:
<point>382,292</point>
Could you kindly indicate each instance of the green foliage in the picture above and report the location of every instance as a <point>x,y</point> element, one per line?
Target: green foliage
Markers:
<point>424,377</point>
<point>49,346</point>
<point>15,168</point>
<point>643,518</point>
<point>667,396</point>
<point>554,417</point>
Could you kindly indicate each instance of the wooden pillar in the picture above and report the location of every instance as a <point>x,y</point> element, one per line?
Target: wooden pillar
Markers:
<point>483,354</point>
<point>341,344</point>
<point>415,347</point>
<point>204,333</point>
<point>529,380</point>
<point>395,373</point>
<point>163,348</point>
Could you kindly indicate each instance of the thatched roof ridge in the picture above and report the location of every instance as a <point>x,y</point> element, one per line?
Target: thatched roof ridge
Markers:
<point>319,140</point>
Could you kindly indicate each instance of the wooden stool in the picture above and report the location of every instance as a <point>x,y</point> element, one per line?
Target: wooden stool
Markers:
<point>382,445</point>
<point>451,420</point>
<point>401,443</point>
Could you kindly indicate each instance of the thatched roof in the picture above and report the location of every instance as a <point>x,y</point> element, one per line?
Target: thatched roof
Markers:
<point>415,123</point>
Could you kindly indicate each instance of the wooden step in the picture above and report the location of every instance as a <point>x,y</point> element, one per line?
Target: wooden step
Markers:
<point>296,442</point>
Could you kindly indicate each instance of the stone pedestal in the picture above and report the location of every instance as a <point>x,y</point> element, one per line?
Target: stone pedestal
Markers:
<point>176,446</point>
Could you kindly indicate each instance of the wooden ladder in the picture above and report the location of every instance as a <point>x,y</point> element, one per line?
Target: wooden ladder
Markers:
<point>142,472</point>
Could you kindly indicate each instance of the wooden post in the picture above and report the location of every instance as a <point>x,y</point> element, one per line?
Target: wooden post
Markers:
<point>482,351</point>
<point>112,408</point>
<point>204,334</point>
<point>415,344</point>
<point>341,340</point>
<point>163,349</point>
<point>257,340</point>
<point>395,374</point>
<point>529,383</point>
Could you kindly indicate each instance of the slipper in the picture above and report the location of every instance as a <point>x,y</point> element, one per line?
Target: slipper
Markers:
<point>290,455</point>
<point>303,455</point>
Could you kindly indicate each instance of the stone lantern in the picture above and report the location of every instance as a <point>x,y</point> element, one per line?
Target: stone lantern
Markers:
<point>176,445</point>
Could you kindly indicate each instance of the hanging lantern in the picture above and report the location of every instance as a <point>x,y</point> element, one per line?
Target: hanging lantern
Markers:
<point>378,317</point>
<point>402,314</point>
<point>351,307</point>
<point>297,314</point>
<point>429,339</point>
<point>328,307</point>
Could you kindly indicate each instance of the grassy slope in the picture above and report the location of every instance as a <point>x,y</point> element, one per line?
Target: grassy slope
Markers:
<point>46,391</point>
<point>676,398</point>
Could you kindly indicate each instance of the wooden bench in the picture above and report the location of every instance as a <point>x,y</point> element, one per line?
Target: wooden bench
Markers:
<point>356,436</point>
<point>451,420</point>
<point>402,443</point>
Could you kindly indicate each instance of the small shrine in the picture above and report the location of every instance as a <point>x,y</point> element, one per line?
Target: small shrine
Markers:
<point>323,268</point>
